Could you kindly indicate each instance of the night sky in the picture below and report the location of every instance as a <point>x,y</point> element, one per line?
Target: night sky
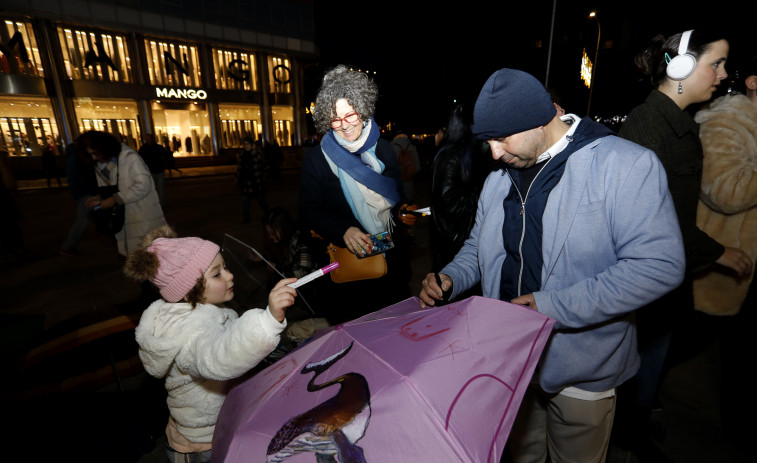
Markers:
<point>426,56</point>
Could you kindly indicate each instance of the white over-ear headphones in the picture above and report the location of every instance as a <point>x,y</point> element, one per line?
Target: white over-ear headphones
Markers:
<point>683,65</point>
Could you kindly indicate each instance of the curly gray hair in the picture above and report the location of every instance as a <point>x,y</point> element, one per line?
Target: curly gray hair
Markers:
<point>360,91</point>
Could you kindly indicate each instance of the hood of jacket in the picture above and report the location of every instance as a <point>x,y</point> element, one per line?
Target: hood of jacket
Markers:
<point>402,141</point>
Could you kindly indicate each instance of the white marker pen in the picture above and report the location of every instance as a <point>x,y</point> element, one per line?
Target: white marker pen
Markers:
<point>418,212</point>
<point>312,276</point>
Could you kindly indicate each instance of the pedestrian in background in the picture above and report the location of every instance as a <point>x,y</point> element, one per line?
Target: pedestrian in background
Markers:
<point>458,175</point>
<point>175,146</point>
<point>728,213</point>
<point>50,165</point>
<point>82,184</point>
<point>251,177</point>
<point>123,178</point>
<point>157,158</point>
<point>409,162</point>
<point>273,157</point>
<point>685,69</point>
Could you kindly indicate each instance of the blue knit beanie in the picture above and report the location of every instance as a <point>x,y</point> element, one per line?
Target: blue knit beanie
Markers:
<point>511,101</point>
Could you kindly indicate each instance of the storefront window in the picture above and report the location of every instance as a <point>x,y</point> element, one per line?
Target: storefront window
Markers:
<point>119,117</point>
<point>279,74</point>
<point>235,70</point>
<point>238,121</point>
<point>173,63</point>
<point>92,55</point>
<point>28,124</point>
<point>183,128</point>
<point>283,122</point>
<point>18,49</point>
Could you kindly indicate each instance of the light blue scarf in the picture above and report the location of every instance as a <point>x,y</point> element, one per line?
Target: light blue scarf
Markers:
<point>369,194</point>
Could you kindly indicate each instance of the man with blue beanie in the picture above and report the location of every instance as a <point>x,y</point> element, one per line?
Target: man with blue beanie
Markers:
<point>579,225</point>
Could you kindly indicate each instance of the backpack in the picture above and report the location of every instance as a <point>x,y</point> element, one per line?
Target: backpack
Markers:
<point>407,165</point>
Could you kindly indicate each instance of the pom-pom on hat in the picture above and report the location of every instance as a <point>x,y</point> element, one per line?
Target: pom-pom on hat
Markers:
<point>181,262</point>
<point>511,101</point>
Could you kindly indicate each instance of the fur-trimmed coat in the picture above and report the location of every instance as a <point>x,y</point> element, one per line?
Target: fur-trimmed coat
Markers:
<point>728,203</point>
<point>197,351</point>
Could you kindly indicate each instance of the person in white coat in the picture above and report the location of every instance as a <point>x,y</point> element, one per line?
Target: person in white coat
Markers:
<point>118,165</point>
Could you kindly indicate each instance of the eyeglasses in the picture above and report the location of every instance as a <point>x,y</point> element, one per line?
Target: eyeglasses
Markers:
<point>350,118</point>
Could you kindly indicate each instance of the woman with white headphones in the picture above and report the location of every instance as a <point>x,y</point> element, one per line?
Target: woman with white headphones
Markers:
<point>685,69</point>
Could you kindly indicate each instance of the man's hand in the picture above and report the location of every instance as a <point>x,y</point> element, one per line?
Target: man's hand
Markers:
<point>405,218</point>
<point>526,300</point>
<point>431,291</point>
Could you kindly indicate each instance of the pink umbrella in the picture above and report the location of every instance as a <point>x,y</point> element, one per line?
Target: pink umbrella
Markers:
<point>400,384</point>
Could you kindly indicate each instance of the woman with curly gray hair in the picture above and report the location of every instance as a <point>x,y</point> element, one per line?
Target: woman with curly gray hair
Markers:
<point>356,88</point>
<point>350,189</point>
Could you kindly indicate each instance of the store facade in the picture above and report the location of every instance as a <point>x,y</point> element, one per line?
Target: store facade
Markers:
<point>59,79</point>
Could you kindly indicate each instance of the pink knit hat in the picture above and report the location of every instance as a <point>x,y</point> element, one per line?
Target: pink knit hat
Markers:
<point>181,262</point>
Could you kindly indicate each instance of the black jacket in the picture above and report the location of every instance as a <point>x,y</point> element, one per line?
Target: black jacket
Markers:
<point>659,125</point>
<point>454,198</point>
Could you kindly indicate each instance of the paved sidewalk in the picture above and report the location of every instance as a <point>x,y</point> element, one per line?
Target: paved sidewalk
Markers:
<point>41,183</point>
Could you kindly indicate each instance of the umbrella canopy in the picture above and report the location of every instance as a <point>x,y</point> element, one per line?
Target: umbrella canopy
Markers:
<point>399,384</point>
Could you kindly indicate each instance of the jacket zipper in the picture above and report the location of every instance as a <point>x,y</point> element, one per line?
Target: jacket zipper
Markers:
<point>523,221</point>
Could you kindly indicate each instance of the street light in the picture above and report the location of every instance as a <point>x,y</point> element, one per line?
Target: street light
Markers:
<point>551,34</point>
<point>593,14</point>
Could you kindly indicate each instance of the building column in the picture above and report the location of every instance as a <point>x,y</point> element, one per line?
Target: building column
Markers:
<point>50,53</point>
<point>298,114</point>
<point>265,92</point>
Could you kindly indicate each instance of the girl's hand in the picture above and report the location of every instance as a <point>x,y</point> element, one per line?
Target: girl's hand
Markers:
<point>281,297</point>
<point>357,241</point>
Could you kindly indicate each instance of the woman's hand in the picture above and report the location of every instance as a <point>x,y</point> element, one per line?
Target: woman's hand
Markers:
<point>736,259</point>
<point>95,201</point>
<point>281,297</point>
<point>357,241</point>
<point>107,203</point>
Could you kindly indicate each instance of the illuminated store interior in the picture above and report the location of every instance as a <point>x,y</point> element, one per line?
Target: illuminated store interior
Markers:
<point>237,122</point>
<point>184,128</point>
<point>119,117</point>
<point>27,124</point>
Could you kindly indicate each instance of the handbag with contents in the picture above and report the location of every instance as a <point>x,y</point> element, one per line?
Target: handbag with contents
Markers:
<point>353,269</point>
<point>109,221</point>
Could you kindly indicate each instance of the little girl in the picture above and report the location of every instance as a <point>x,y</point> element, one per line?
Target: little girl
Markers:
<point>188,338</point>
